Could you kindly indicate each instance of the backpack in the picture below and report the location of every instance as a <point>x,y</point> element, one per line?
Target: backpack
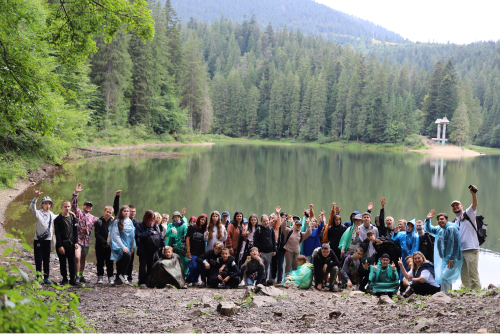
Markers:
<point>153,242</point>
<point>344,256</point>
<point>183,245</point>
<point>480,230</point>
<point>288,237</point>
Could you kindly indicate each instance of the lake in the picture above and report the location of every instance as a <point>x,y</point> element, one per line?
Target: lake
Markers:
<point>255,178</point>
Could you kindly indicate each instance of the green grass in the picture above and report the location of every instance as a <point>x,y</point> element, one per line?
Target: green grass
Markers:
<point>483,149</point>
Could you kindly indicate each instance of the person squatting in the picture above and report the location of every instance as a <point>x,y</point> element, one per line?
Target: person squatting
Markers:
<point>215,251</point>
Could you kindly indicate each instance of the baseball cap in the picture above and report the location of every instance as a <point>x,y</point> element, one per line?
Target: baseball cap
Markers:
<point>88,203</point>
<point>298,222</point>
<point>177,213</point>
<point>455,201</point>
<point>358,217</point>
<point>296,217</point>
<point>367,213</point>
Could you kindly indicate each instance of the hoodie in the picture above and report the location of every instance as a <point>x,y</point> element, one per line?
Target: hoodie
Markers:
<point>314,240</point>
<point>265,239</point>
<point>351,222</point>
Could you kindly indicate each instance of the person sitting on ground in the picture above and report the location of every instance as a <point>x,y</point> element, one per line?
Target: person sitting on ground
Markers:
<point>325,261</point>
<point>207,265</point>
<point>406,236</point>
<point>293,238</point>
<point>195,246</point>
<point>425,241</point>
<point>351,269</point>
<point>65,229</point>
<point>314,240</point>
<point>175,233</point>
<point>253,268</point>
<point>150,243</point>
<point>420,278</point>
<point>264,240</point>
<point>43,235</point>
<point>384,279</point>
<point>302,277</point>
<point>167,270</point>
<point>448,253</point>
<point>122,243</point>
<point>228,273</point>
<point>350,240</point>
<point>403,283</point>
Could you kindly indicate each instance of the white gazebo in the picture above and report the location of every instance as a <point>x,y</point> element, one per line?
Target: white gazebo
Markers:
<point>441,135</point>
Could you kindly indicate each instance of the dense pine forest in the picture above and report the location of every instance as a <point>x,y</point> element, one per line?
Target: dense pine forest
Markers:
<point>152,76</point>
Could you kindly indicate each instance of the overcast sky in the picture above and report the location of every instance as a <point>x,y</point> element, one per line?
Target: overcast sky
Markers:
<point>460,22</point>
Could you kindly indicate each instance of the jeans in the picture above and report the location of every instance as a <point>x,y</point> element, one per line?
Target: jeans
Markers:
<point>309,258</point>
<point>193,273</point>
<point>334,271</point>
<point>267,259</point>
<point>277,265</point>
<point>470,274</point>
<point>69,255</point>
<point>41,251</point>
<point>122,265</point>
<point>260,275</point>
<point>103,255</point>
<point>290,263</point>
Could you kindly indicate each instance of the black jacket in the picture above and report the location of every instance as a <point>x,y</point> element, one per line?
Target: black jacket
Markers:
<point>335,234</point>
<point>264,239</point>
<point>142,234</point>
<point>62,239</point>
<point>252,266</point>
<point>210,256</point>
<point>281,241</point>
<point>101,231</point>
<point>319,261</point>
<point>426,246</point>
<point>231,269</point>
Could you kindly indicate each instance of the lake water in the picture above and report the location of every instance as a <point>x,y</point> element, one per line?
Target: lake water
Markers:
<point>254,178</point>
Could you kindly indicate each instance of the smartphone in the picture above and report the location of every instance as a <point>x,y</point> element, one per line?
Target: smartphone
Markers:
<point>473,190</point>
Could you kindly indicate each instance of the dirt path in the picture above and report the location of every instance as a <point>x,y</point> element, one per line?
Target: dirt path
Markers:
<point>447,151</point>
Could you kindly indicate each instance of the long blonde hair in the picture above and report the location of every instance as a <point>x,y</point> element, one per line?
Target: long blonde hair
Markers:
<point>413,259</point>
<point>211,226</point>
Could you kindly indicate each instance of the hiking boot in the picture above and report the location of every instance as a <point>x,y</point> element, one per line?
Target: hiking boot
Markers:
<point>47,281</point>
<point>271,282</point>
<point>111,280</point>
<point>74,282</point>
<point>83,280</point>
<point>99,280</point>
<point>64,282</point>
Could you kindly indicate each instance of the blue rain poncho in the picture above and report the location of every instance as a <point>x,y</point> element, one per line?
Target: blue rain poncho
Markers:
<point>383,279</point>
<point>119,239</point>
<point>409,243</point>
<point>446,248</point>
<point>302,277</point>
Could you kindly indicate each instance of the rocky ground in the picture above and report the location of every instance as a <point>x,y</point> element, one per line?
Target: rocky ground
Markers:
<point>131,309</point>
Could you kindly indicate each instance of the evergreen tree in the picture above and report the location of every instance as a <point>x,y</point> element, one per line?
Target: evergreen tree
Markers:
<point>459,125</point>
<point>220,100</point>
<point>252,105</point>
<point>431,104</point>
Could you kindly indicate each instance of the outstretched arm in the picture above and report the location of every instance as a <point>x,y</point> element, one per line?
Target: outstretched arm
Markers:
<point>474,197</point>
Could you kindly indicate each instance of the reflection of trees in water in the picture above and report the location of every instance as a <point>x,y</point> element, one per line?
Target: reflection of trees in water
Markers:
<point>438,180</point>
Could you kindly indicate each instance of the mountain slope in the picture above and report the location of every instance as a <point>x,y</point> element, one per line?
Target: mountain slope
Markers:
<point>306,15</point>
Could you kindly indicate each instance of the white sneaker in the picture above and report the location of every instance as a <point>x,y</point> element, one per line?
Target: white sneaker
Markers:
<point>123,279</point>
<point>111,280</point>
<point>99,280</point>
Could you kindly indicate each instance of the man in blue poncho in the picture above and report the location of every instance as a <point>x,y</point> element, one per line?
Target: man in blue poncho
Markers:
<point>407,237</point>
<point>447,250</point>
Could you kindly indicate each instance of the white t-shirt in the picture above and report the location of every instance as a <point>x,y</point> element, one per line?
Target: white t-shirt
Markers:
<point>210,243</point>
<point>468,235</point>
<point>426,274</point>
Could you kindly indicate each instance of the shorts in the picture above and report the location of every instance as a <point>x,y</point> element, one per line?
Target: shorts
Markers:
<point>84,250</point>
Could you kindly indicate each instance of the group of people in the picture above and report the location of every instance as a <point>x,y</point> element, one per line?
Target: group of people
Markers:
<point>297,251</point>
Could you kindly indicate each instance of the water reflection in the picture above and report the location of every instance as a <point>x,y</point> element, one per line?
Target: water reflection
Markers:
<point>438,181</point>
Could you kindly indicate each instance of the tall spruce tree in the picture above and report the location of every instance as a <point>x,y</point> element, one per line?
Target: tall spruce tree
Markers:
<point>459,125</point>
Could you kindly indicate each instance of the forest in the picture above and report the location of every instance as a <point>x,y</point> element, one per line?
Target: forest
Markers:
<point>150,76</point>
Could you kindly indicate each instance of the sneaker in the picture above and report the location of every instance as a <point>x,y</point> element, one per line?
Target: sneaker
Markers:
<point>326,285</point>
<point>242,283</point>
<point>64,282</point>
<point>123,279</point>
<point>99,280</point>
<point>129,279</point>
<point>202,285</point>
<point>74,282</point>
<point>111,280</point>
<point>222,285</point>
<point>77,279</point>
<point>83,280</point>
<point>47,281</point>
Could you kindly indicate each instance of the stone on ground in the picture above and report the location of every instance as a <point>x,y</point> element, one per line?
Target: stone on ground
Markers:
<point>384,299</point>
<point>263,301</point>
<point>423,324</point>
<point>439,298</point>
<point>228,308</point>
<point>269,290</point>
